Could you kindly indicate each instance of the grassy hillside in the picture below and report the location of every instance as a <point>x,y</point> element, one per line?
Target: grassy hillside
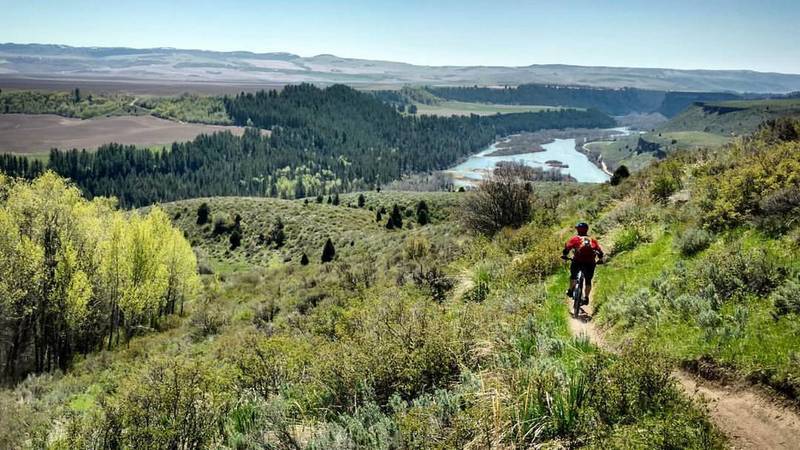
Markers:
<point>436,336</point>
<point>307,225</point>
<point>626,151</point>
<point>415,338</point>
<point>709,238</point>
<point>733,118</point>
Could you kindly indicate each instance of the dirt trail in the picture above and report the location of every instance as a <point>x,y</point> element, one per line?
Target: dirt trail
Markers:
<point>749,419</point>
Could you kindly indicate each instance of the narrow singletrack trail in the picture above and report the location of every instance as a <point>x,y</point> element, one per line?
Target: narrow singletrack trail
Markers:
<point>748,418</point>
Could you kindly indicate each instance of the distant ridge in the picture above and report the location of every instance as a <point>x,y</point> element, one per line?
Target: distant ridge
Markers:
<point>171,65</point>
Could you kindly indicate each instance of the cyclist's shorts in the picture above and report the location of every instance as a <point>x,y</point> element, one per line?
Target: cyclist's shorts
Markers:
<point>586,267</point>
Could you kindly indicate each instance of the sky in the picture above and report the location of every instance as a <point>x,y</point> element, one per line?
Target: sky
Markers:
<point>761,35</point>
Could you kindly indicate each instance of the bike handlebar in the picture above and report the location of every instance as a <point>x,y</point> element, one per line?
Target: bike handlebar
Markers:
<point>568,258</point>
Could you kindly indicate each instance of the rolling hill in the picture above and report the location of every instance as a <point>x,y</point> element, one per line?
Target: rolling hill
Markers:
<point>59,63</point>
<point>731,117</point>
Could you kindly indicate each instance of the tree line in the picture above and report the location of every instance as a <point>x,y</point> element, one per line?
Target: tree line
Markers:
<point>321,141</point>
<point>616,102</point>
<point>79,275</point>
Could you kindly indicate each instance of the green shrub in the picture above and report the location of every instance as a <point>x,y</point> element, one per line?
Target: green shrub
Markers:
<point>629,311</point>
<point>662,187</point>
<point>170,403</point>
<point>542,260</point>
<point>269,366</point>
<point>692,241</point>
<point>203,214</point>
<point>384,348</point>
<point>733,272</point>
<point>628,239</point>
<point>779,211</point>
<point>786,298</point>
<point>478,292</point>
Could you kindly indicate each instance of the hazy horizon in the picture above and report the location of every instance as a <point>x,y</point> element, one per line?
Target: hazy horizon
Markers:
<point>712,35</point>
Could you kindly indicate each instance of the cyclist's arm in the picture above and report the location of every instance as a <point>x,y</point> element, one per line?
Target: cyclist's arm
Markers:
<point>598,250</point>
<point>570,245</point>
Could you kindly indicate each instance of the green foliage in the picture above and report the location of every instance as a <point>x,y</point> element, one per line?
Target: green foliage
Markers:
<point>786,298</point>
<point>665,180</point>
<point>732,272</point>
<point>67,104</point>
<point>754,175</point>
<point>203,214</point>
<point>693,240</point>
<point>731,117</point>
<point>277,235</point>
<point>83,269</point>
<point>628,238</point>
<point>353,135</point>
<point>189,108</point>
<point>619,175</point>
<point>396,218</point>
<point>541,258</point>
<point>423,215</point>
<point>328,252</point>
<point>208,317</point>
<point>502,200</point>
<point>174,403</point>
<point>235,239</point>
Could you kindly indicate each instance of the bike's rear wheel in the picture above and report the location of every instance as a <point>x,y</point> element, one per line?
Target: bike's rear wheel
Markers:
<point>577,296</point>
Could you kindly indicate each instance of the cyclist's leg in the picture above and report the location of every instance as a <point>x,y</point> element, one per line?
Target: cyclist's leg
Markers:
<point>574,268</point>
<point>588,275</point>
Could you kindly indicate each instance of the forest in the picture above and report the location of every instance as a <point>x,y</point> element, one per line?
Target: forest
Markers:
<point>321,141</point>
<point>78,276</point>
<point>617,102</point>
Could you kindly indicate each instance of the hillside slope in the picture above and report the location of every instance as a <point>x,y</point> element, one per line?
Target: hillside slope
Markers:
<point>731,117</point>
<point>169,65</point>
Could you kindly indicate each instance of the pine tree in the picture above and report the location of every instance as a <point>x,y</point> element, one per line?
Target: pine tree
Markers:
<point>423,216</point>
<point>620,174</point>
<point>336,199</point>
<point>378,216</point>
<point>276,234</point>
<point>397,217</point>
<point>203,214</point>
<point>319,198</point>
<point>390,223</point>
<point>304,260</point>
<point>299,188</point>
<point>361,200</point>
<point>235,239</point>
<point>328,252</point>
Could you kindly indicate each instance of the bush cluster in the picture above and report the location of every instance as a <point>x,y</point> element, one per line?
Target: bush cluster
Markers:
<point>692,241</point>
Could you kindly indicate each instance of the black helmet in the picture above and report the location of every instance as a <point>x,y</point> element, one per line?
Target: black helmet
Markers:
<point>582,225</point>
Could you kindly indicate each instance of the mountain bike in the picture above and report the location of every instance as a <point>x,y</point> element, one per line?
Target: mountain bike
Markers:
<point>577,293</point>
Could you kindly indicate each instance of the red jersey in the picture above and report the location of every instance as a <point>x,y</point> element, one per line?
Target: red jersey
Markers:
<point>585,247</point>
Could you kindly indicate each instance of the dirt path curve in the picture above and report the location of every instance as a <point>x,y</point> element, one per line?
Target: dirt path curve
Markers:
<point>749,419</point>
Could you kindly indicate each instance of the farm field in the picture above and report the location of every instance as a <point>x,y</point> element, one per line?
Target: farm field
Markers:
<point>37,133</point>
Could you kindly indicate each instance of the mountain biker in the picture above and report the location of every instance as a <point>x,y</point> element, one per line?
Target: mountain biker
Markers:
<point>586,255</point>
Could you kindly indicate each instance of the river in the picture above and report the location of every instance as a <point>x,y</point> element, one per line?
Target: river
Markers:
<point>471,171</point>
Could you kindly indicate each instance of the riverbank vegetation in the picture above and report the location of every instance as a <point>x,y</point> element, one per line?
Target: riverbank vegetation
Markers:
<point>322,141</point>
